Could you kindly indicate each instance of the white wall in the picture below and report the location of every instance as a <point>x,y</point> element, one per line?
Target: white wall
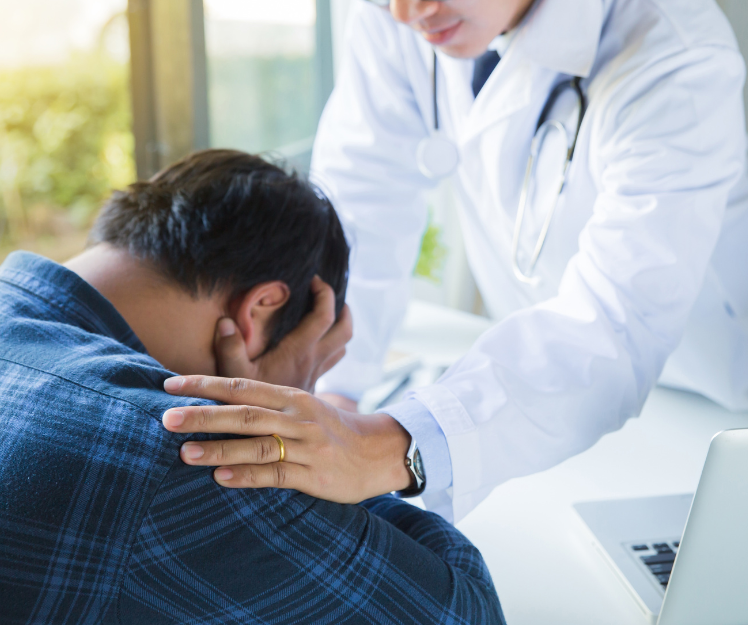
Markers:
<point>737,13</point>
<point>339,12</point>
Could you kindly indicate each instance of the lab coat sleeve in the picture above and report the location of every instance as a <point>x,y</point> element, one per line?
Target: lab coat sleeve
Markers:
<point>364,160</point>
<point>432,443</point>
<point>666,146</point>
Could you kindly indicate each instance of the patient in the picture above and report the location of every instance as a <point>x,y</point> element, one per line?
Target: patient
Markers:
<point>101,521</point>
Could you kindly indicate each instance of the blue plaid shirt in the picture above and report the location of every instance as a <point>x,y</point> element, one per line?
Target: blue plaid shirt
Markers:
<point>101,522</point>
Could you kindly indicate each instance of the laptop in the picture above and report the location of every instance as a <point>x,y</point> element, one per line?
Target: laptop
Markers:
<point>683,558</point>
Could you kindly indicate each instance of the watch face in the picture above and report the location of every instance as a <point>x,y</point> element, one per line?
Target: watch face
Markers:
<point>418,465</point>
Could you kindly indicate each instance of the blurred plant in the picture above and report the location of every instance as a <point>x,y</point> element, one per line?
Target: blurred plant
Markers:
<point>65,142</point>
<point>433,253</point>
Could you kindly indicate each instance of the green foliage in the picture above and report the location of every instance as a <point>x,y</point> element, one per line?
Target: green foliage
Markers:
<point>433,254</point>
<point>65,142</point>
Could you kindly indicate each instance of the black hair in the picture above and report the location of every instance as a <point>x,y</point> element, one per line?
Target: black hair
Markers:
<point>224,219</point>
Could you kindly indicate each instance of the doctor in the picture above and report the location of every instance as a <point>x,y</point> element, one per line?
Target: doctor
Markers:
<point>598,154</point>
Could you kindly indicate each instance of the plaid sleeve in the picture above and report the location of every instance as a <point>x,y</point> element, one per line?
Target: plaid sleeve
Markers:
<point>210,555</point>
<point>474,596</point>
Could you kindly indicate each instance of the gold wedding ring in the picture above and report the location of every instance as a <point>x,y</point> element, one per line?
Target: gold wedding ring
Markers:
<point>281,445</point>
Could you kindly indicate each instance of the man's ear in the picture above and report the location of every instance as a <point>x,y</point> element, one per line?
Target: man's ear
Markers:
<point>253,313</point>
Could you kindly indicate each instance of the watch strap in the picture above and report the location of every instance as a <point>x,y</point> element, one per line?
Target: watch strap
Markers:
<point>415,467</point>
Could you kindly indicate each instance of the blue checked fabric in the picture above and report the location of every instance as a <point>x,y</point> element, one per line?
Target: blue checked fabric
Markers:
<point>101,522</point>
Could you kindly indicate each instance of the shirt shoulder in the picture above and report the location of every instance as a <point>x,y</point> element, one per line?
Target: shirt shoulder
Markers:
<point>84,453</point>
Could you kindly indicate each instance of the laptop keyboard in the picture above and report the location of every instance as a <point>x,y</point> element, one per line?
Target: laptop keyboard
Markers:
<point>658,558</point>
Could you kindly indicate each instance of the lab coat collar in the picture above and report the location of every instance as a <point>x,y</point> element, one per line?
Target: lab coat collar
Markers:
<point>502,42</point>
<point>562,36</point>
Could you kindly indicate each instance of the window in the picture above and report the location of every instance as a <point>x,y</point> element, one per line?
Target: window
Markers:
<point>269,71</point>
<point>65,120</point>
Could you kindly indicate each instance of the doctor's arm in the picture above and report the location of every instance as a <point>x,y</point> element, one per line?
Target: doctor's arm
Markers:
<point>364,159</point>
<point>549,380</point>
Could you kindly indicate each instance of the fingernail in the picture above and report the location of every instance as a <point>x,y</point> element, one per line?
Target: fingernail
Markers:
<point>193,451</point>
<point>173,418</point>
<point>173,384</point>
<point>223,475</point>
<point>226,327</point>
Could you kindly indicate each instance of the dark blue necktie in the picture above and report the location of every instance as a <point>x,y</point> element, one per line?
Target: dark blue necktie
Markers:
<point>484,65</point>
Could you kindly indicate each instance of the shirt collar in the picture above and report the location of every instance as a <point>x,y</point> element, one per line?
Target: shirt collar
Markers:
<point>70,298</point>
<point>502,42</point>
<point>562,36</point>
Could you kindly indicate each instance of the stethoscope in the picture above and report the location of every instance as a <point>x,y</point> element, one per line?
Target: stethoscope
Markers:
<point>438,157</point>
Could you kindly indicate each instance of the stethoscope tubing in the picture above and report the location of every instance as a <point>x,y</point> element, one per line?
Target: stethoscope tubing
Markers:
<point>541,129</point>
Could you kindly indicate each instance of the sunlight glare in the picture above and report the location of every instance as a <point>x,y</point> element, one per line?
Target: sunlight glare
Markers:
<point>297,12</point>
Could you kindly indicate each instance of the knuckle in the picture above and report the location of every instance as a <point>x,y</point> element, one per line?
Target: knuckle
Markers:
<point>312,431</point>
<point>250,477</point>
<point>204,415</point>
<point>222,452</point>
<point>290,395</point>
<point>303,402</point>
<point>248,418</point>
<point>264,451</point>
<point>236,387</point>
<point>280,475</point>
<point>324,450</point>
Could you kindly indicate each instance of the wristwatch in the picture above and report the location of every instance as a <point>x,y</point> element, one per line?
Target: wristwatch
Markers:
<point>415,465</point>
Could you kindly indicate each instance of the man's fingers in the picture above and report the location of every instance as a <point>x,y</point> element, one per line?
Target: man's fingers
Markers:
<point>339,334</point>
<point>244,420</point>
<point>231,352</point>
<point>275,475</point>
<point>232,391</point>
<point>258,450</point>
<point>322,317</point>
<point>331,361</point>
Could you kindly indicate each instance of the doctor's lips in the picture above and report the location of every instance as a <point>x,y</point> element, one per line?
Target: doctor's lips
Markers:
<point>440,37</point>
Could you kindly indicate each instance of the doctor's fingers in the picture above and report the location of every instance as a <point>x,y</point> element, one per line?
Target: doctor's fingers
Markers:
<point>258,450</point>
<point>235,391</point>
<point>242,420</point>
<point>275,475</point>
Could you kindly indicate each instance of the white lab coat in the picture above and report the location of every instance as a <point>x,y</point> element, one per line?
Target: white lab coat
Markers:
<point>645,265</point>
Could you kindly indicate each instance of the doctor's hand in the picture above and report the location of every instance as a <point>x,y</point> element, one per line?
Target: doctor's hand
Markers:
<point>329,453</point>
<point>304,354</point>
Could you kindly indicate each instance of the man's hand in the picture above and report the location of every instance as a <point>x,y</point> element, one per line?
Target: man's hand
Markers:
<point>329,453</point>
<point>307,352</point>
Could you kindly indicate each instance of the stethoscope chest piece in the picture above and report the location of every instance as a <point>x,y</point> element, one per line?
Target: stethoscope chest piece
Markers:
<point>437,156</point>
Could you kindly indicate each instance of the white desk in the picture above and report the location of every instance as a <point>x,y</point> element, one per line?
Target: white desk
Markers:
<point>543,567</point>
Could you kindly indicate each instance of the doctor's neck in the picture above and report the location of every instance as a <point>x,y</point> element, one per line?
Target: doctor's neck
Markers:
<point>460,28</point>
